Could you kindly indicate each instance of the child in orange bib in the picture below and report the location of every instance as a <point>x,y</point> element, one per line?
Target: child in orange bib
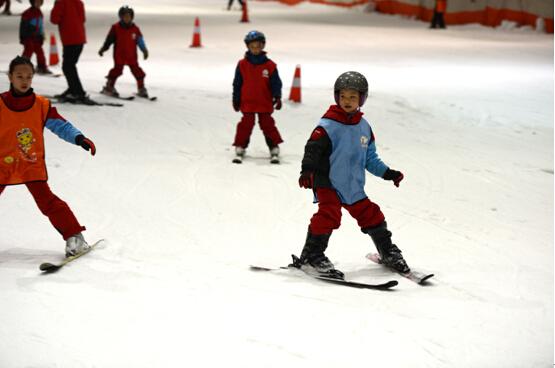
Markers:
<point>23,117</point>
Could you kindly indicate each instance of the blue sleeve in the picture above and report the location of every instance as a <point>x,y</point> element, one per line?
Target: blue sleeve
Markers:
<point>275,84</point>
<point>141,43</point>
<point>63,129</point>
<point>373,163</point>
<point>237,84</point>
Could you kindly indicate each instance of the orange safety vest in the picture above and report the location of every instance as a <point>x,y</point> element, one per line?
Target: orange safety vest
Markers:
<point>441,6</point>
<point>22,143</point>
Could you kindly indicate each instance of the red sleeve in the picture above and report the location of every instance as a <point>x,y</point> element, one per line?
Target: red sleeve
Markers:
<point>53,114</point>
<point>57,11</point>
<point>318,133</point>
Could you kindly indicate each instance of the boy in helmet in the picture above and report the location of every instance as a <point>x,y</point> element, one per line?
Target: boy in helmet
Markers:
<point>338,151</point>
<point>126,36</point>
<point>256,90</point>
<point>31,35</point>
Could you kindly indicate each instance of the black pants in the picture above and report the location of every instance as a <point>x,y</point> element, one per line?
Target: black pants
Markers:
<point>70,56</point>
<point>231,3</point>
<point>437,20</point>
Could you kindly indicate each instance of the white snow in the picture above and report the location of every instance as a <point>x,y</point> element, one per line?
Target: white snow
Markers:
<point>465,113</point>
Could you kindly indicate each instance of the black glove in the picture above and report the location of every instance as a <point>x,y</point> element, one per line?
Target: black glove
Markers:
<point>395,176</point>
<point>86,143</point>
<point>145,54</point>
<point>306,180</point>
<point>236,105</point>
<point>101,51</point>
<point>277,103</point>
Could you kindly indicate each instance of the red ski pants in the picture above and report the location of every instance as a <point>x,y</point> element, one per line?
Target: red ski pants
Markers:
<point>31,47</point>
<point>57,211</point>
<point>136,70</point>
<point>267,125</point>
<point>328,217</point>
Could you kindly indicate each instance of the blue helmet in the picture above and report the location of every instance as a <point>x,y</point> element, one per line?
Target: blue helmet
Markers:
<point>254,36</point>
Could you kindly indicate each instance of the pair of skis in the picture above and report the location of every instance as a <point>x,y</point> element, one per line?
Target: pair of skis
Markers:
<point>238,159</point>
<point>336,277</point>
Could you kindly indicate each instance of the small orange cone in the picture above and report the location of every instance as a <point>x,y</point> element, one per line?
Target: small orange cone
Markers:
<point>196,34</point>
<point>295,94</point>
<point>53,58</point>
<point>245,16</point>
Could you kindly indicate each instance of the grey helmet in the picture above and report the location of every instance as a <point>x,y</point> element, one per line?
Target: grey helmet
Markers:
<point>351,80</point>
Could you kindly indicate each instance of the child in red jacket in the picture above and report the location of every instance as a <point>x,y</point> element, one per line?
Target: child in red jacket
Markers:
<point>31,35</point>
<point>256,90</point>
<point>24,115</point>
<point>125,36</point>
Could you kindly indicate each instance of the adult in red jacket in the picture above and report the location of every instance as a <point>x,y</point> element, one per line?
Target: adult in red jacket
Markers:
<point>126,37</point>
<point>69,15</point>
<point>256,90</point>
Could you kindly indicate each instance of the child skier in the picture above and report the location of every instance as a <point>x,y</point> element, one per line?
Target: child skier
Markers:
<point>335,157</point>
<point>126,36</point>
<point>24,115</point>
<point>31,35</point>
<point>256,90</point>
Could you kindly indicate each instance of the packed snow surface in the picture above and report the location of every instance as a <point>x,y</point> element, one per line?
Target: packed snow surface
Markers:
<point>466,114</point>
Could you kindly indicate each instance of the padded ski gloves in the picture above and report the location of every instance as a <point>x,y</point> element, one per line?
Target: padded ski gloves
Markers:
<point>86,143</point>
<point>277,103</point>
<point>236,106</point>
<point>306,180</point>
<point>395,176</point>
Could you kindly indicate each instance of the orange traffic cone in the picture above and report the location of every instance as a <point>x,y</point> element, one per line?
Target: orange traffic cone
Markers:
<point>196,34</point>
<point>295,94</point>
<point>53,58</point>
<point>245,16</point>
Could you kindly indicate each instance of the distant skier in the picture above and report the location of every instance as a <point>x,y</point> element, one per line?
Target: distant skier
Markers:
<point>69,16</point>
<point>7,10</point>
<point>31,35</point>
<point>335,158</point>
<point>126,36</point>
<point>256,90</point>
<point>439,10</point>
<point>24,115</point>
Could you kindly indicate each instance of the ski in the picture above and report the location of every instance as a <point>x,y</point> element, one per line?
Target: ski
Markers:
<point>51,75</point>
<point>419,277</point>
<point>333,280</point>
<point>154,98</point>
<point>48,267</point>
<point>89,102</point>
<point>118,97</point>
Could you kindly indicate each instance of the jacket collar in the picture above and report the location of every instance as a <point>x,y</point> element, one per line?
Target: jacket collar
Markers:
<point>335,112</point>
<point>17,102</point>
<point>256,59</point>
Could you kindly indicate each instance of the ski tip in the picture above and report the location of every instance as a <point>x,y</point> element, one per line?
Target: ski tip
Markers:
<point>48,267</point>
<point>259,268</point>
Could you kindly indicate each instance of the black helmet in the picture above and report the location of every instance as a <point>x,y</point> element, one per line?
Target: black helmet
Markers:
<point>254,36</point>
<point>351,80</point>
<point>126,10</point>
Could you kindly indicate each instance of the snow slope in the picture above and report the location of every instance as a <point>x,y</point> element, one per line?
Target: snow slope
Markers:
<point>466,114</point>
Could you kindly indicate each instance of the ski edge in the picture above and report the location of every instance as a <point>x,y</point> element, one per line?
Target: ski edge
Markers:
<point>416,276</point>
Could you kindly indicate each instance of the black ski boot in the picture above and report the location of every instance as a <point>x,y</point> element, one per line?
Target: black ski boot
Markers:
<point>313,260</point>
<point>390,255</point>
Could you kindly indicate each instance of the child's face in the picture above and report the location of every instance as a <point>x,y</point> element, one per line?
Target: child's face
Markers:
<point>349,99</point>
<point>127,18</point>
<point>256,47</point>
<point>21,78</point>
<point>37,3</point>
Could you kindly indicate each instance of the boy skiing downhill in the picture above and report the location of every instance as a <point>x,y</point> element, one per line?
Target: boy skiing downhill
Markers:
<point>126,36</point>
<point>24,115</point>
<point>336,155</point>
<point>256,90</point>
<point>31,35</point>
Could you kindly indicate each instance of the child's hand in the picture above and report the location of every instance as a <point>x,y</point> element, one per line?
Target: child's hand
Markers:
<point>277,103</point>
<point>236,106</point>
<point>101,52</point>
<point>145,54</point>
<point>86,143</point>
<point>395,176</point>
<point>306,180</point>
